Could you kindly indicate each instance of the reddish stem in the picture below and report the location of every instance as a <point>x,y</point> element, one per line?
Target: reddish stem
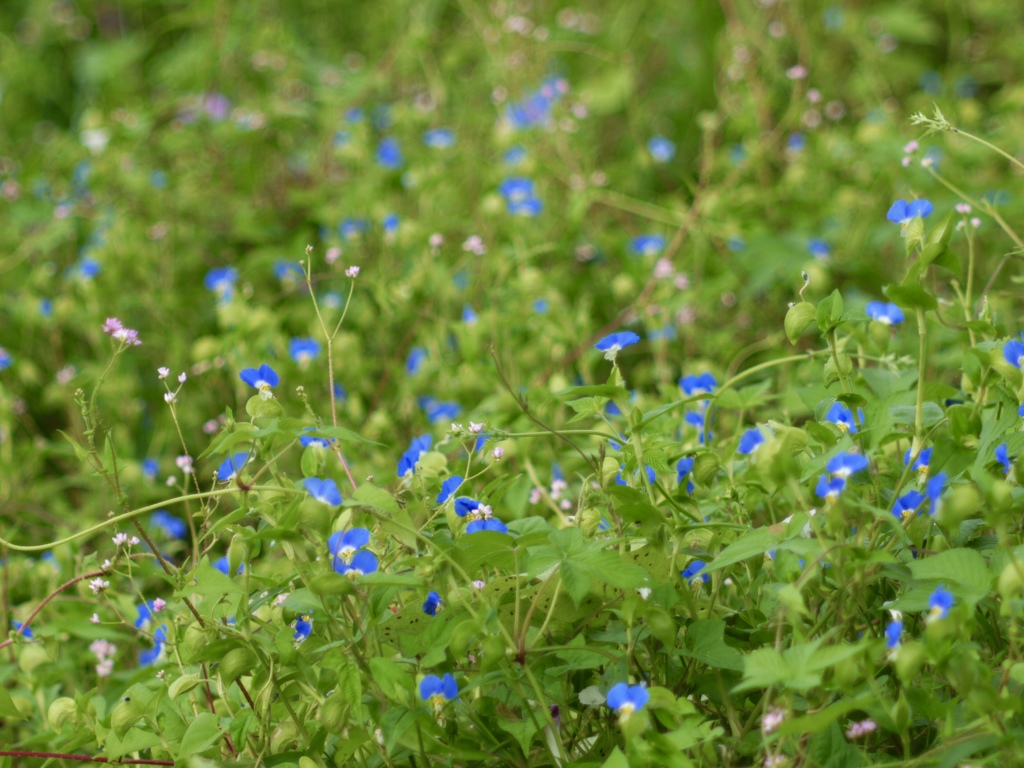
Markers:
<point>83,758</point>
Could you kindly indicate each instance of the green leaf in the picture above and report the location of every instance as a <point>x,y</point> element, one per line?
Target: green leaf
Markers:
<point>370,495</point>
<point>798,318</point>
<point>610,391</point>
<point>943,231</point>
<point>200,735</point>
<point>705,640</point>
<point>616,760</point>
<point>126,714</point>
<point>258,408</point>
<point>752,544</point>
<point>906,414</point>
<point>955,566</point>
<point>7,706</point>
<point>80,450</point>
<point>910,297</point>
<point>342,435</point>
<point>829,311</point>
<point>210,581</point>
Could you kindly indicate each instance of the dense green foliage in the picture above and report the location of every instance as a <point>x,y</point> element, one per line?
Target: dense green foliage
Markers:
<point>779,526</point>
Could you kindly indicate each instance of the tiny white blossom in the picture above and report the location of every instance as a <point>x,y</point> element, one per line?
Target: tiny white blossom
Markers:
<point>497,453</point>
<point>170,397</point>
<point>182,377</point>
<point>475,428</point>
<point>98,585</point>
<point>184,463</point>
<point>163,372</point>
<point>352,272</point>
<point>95,618</point>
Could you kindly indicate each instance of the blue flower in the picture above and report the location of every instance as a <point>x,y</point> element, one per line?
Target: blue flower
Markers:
<point>611,345</point>
<point>903,212</point>
<point>27,632</point>
<point>231,466</point>
<point>348,556</point>
<point>288,272</point>
<point>466,506</point>
<point>535,109</point>
<point>448,487</point>
<point>340,393</point>
<point>492,524</point>
<point>45,307</point>
<point>390,223</point>
<point>439,690</point>
<point>830,488</point>
<point>693,571</point>
<point>85,268</point>
<point>907,504</point>
<point>1003,458</point>
<point>796,142</point>
<point>303,626</point>
<point>893,631</point>
<point>418,446</point>
<point>221,280</point>
<point>940,601</point>
<point>469,316</point>
<point>324,491</point>
<point>921,465</point>
<point>819,248</point>
<point>514,155</point>
<point>317,442</point>
<point>439,138</point>
<point>148,657</point>
<point>433,605</point>
<point>223,565</point>
<point>303,350</point>
<point>648,245</point>
<point>845,464</point>
<point>389,154</point>
<point>1020,411</point>
<point>626,699</point>
<point>150,466</point>
<point>842,417</point>
<point>698,385</point>
<point>934,489</point>
<point>438,411</point>
<point>515,189</point>
<point>683,468</point>
<point>651,475</point>
<point>752,440</point>
<point>354,115</point>
<point>168,524</point>
<point>662,150</point>
<point>541,306</point>
<point>530,207</point>
<point>885,313</point>
<point>417,356</point>
<point>1013,351</point>
<point>696,419</point>
<point>350,229</point>
<point>262,379</point>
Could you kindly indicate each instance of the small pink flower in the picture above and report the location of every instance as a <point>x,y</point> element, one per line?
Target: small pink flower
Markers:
<point>182,377</point>
<point>159,604</point>
<point>163,372</point>
<point>170,398</point>
<point>474,244</point>
<point>95,618</point>
<point>332,255</point>
<point>475,428</point>
<point>799,72</point>
<point>963,208</point>
<point>911,147</point>
<point>352,272</point>
<point>112,325</point>
<point>497,453</point>
<point>184,463</point>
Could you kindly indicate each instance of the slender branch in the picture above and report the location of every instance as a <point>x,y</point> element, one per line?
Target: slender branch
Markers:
<point>81,758</point>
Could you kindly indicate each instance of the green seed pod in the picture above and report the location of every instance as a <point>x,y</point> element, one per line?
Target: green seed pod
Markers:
<point>126,714</point>
<point>236,663</point>
<point>59,712</point>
